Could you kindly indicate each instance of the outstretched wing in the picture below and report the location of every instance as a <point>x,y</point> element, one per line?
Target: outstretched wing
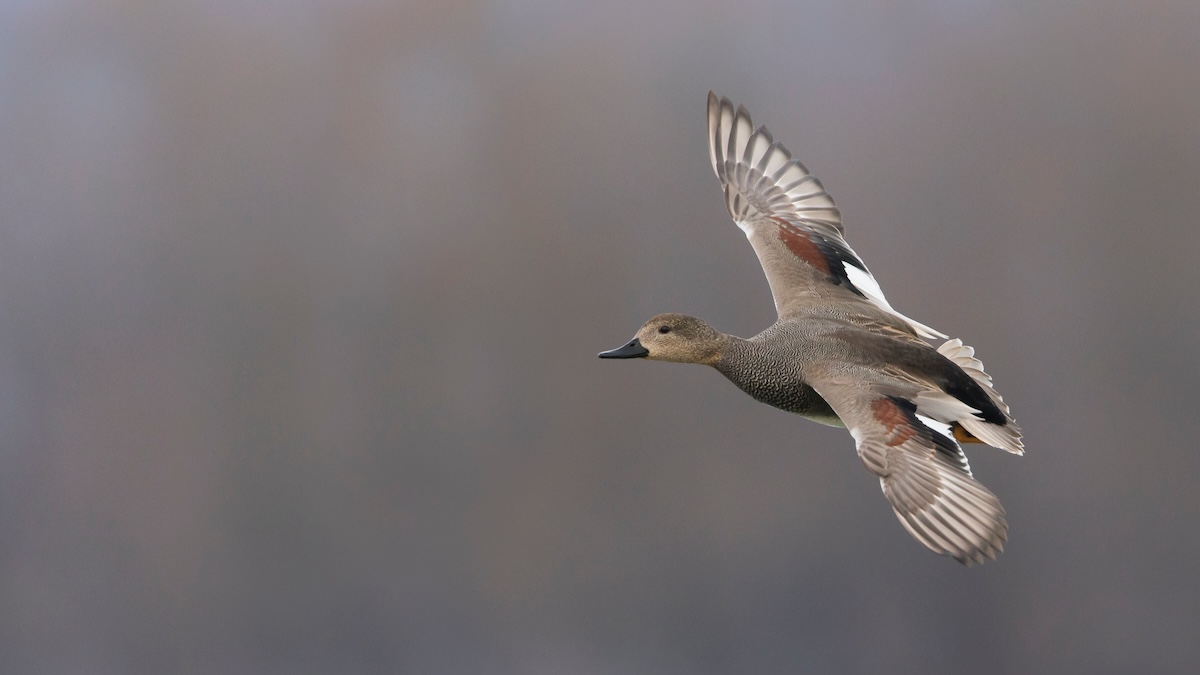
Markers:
<point>923,473</point>
<point>792,223</point>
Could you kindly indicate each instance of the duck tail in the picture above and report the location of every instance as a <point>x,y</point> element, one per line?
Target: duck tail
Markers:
<point>1005,436</point>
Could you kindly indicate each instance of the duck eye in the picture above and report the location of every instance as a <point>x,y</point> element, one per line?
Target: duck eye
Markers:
<point>664,329</point>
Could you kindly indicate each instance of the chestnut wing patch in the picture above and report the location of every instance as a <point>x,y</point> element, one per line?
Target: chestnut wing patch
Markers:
<point>827,255</point>
<point>899,418</point>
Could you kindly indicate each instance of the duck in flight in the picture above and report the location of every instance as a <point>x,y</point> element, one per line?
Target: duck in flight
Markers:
<point>840,355</point>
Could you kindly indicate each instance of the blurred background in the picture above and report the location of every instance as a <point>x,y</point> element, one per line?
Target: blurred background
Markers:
<point>300,305</point>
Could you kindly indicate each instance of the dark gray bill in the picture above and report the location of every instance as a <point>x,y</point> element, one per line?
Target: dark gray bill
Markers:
<point>632,350</point>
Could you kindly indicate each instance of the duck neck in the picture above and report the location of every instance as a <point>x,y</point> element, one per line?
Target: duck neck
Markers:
<point>734,355</point>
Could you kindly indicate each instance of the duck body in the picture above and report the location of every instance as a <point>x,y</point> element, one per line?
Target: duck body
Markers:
<point>840,355</point>
<point>770,367</point>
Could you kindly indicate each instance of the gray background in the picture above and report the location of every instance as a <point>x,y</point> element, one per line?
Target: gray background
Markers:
<point>300,302</point>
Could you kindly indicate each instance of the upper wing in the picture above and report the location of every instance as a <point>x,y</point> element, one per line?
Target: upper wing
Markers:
<point>791,221</point>
<point>923,473</point>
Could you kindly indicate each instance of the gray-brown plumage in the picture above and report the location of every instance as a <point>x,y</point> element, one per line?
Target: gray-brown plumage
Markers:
<point>840,355</point>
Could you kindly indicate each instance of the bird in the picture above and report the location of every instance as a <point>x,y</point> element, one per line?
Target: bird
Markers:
<point>840,355</point>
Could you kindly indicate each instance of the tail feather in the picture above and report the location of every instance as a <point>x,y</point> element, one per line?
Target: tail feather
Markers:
<point>1006,436</point>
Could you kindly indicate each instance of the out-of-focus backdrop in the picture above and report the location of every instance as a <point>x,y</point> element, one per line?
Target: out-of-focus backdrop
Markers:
<point>300,302</point>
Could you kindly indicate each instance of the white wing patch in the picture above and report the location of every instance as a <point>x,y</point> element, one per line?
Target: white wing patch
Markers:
<point>936,426</point>
<point>866,283</point>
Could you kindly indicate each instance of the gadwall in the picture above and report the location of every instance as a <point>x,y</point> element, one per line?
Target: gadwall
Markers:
<point>840,355</point>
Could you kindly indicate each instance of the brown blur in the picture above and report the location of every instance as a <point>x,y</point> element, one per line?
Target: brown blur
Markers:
<point>300,305</point>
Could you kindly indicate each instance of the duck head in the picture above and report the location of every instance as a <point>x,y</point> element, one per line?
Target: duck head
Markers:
<point>673,337</point>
